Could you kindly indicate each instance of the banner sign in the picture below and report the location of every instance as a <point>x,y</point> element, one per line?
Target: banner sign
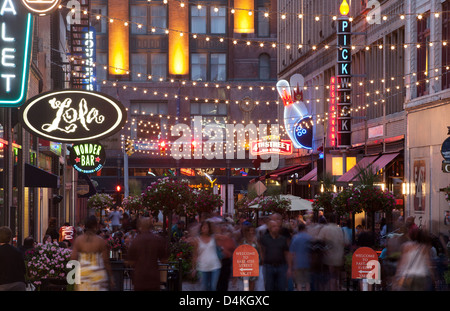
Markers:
<point>283,147</point>
<point>73,116</point>
<point>16,33</point>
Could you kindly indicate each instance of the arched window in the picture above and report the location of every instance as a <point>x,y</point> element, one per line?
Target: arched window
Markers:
<point>264,67</point>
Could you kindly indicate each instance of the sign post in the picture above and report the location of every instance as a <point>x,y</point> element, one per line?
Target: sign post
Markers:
<point>365,266</point>
<point>245,263</point>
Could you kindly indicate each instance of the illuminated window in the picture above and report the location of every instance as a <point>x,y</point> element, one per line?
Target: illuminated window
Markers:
<point>154,15</point>
<point>337,166</point>
<point>198,19</point>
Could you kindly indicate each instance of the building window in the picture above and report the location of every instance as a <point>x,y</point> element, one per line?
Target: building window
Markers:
<point>264,67</point>
<point>138,66</point>
<point>100,25</point>
<point>423,54</point>
<point>446,48</point>
<point>199,66</point>
<point>218,19</point>
<point>212,113</point>
<point>149,119</point>
<point>263,23</point>
<point>102,72</point>
<point>218,67</point>
<point>153,15</point>
<point>159,65</point>
<point>198,19</point>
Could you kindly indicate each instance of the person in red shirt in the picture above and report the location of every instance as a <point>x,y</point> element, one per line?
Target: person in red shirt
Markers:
<point>67,233</point>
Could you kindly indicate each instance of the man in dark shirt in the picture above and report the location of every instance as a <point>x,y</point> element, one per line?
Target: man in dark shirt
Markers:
<point>144,252</point>
<point>275,252</point>
<point>12,264</point>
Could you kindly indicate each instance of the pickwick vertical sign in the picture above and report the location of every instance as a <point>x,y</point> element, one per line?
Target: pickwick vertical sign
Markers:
<point>16,31</point>
<point>344,60</point>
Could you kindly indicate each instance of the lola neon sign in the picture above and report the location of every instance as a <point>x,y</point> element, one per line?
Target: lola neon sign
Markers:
<point>70,116</point>
<point>16,26</point>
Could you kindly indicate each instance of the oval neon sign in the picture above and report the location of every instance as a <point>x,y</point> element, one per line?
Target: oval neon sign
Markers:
<point>73,116</point>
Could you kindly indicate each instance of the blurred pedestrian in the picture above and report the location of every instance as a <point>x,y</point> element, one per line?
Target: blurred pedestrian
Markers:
<point>333,237</point>
<point>415,270</point>
<point>28,244</point>
<point>12,264</point>
<point>47,239</point>
<point>227,244</point>
<point>299,259</point>
<point>115,217</point>
<point>206,257</point>
<point>52,230</point>
<point>274,251</point>
<point>144,253</point>
<point>92,253</point>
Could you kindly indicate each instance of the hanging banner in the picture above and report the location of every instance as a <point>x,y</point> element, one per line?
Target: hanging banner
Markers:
<point>73,116</point>
<point>16,33</point>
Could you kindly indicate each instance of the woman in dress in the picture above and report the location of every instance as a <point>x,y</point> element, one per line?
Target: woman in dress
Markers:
<point>91,251</point>
<point>206,257</point>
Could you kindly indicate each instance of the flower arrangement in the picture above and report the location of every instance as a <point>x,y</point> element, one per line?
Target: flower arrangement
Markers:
<point>205,201</point>
<point>169,196</point>
<point>341,202</point>
<point>184,251</point>
<point>324,200</point>
<point>274,204</point>
<point>371,199</point>
<point>133,203</point>
<point>100,201</point>
<point>114,244</point>
<point>47,261</point>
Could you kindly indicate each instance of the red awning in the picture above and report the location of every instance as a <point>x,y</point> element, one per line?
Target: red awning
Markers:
<point>382,161</point>
<point>311,176</point>
<point>290,170</point>
<point>353,172</point>
<point>278,171</point>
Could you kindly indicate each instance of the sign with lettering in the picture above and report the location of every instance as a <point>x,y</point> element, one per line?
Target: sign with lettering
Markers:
<point>344,59</point>
<point>245,261</point>
<point>73,116</point>
<point>89,57</point>
<point>445,149</point>
<point>283,147</point>
<point>303,133</point>
<point>16,32</point>
<point>332,113</point>
<point>41,7</point>
<point>364,262</point>
<point>87,158</point>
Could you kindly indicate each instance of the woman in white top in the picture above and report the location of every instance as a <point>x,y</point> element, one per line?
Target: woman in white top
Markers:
<point>206,257</point>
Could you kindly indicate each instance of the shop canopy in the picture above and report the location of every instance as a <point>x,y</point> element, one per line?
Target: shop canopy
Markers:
<point>289,171</point>
<point>382,161</point>
<point>311,176</point>
<point>354,171</point>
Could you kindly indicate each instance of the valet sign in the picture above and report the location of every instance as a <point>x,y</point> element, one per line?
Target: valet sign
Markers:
<point>73,116</point>
<point>16,31</point>
<point>87,158</point>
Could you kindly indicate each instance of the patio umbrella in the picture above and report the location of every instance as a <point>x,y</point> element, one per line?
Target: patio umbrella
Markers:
<point>297,203</point>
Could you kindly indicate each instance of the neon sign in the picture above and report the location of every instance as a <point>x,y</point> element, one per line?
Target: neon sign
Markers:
<point>332,110</point>
<point>16,30</point>
<point>73,116</point>
<point>89,56</point>
<point>344,59</point>
<point>41,7</point>
<point>87,158</point>
<point>283,147</point>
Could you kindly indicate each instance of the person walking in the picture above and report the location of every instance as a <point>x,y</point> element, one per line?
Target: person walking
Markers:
<point>145,250</point>
<point>299,258</point>
<point>92,253</point>
<point>274,251</point>
<point>227,244</point>
<point>52,230</point>
<point>206,257</point>
<point>115,216</point>
<point>12,264</point>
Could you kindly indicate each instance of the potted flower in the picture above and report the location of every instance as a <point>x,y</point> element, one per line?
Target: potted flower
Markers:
<point>115,247</point>
<point>133,203</point>
<point>274,204</point>
<point>204,201</point>
<point>324,200</point>
<point>47,263</point>
<point>100,201</point>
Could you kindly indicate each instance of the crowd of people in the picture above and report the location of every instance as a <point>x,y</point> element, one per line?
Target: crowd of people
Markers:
<point>307,253</point>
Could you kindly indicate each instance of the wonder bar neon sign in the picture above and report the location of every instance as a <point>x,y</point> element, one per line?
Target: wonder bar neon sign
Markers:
<point>87,158</point>
<point>16,26</point>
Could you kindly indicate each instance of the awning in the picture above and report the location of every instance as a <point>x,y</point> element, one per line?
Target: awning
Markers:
<point>36,177</point>
<point>311,176</point>
<point>278,171</point>
<point>353,172</point>
<point>287,171</point>
<point>382,161</point>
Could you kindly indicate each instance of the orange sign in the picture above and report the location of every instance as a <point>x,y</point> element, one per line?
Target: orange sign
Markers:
<point>245,261</point>
<point>283,147</point>
<point>365,264</point>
